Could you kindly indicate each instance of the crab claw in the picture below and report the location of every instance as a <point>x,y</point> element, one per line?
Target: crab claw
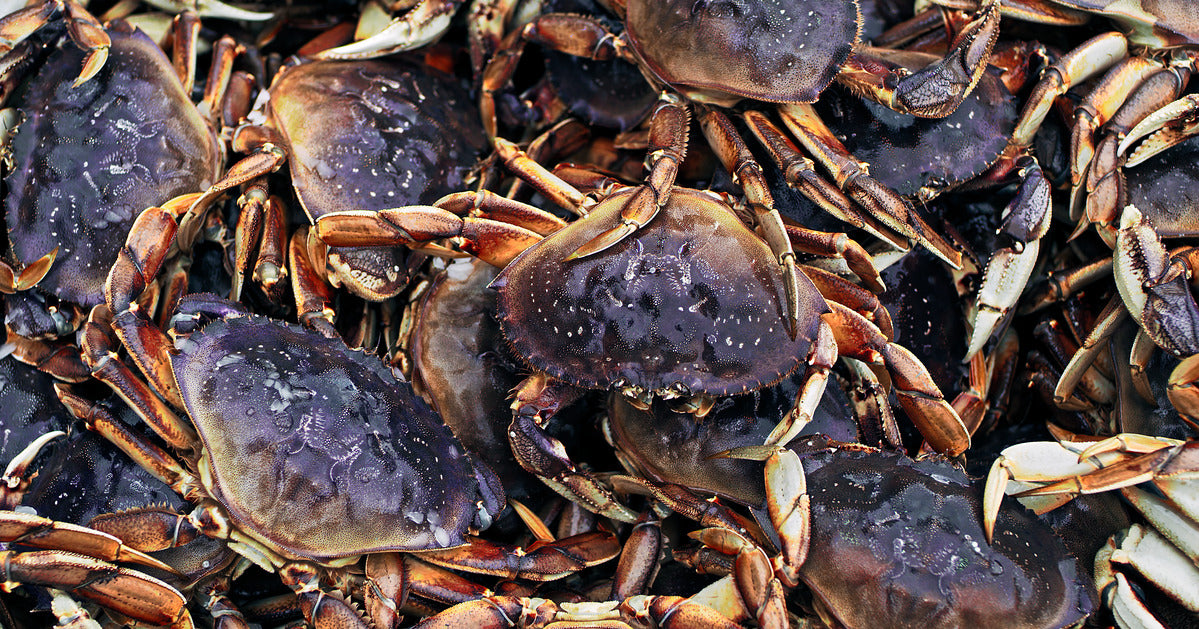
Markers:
<point>422,25</point>
<point>1026,221</point>
<point>1165,127</point>
<point>1154,287</point>
<point>211,8</point>
<point>12,282</point>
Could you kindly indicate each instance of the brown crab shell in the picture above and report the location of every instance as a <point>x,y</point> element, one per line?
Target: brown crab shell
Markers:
<point>315,449</point>
<point>772,50</point>
<point>370,135</point>
<point>690,302</point>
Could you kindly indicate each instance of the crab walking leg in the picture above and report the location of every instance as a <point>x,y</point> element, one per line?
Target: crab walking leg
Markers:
<point>125,591</point>
<point>800,173</point>
<point>854,178</point>
<point>1026,221</point>
<point>1110,318</point>
<point>757,584</point>
<point>573,34</point>
<point>1094,56</point>
<point>543,562</point>
<point>84,29</point>
<point>39,532</point>
<point>534,403</point>
<point>667,147</point>
<point>821,359</point>
<point>747,173</point>
<point>1093,112</point>
<point>918,394</point>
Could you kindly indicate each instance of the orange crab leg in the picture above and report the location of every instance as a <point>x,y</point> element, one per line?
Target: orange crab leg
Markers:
<point>125,591</point>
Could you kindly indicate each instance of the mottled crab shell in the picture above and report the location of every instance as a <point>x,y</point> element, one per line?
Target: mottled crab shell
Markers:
<point>315,449</point>
<point>91,158</point>
<point>901,544</point>
<point>692,302</point>
<point>771,50</point>
<point>370,135</point>
<point>1166,190</point>
<point>924,156</point>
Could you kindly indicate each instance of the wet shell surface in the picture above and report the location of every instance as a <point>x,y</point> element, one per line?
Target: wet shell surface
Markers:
<point>317,449</point>
<point>93,157</point>
<point>692,301</point>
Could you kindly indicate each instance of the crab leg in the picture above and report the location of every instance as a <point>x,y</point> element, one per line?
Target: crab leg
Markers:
<point>1093,112</point>
<point>39,532</point>
<point>1094,56</point>
<point>667,147</point>
<point>918,394</point>
<point>1104,180</point>
<point>853,177</point>
<point>937,90</point>
<point>128,592</point>
<point>503,612</point>
<point>800,173</point>
<point>541,562</point>
<point>746,172</point>
<point>84,29</point>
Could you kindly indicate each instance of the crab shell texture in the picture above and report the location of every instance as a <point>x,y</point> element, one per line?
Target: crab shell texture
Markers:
<point>901,539</point>
<point>912,154</point>
<point>1154,23</point>
<point>724,50</point>
<point>91,158</point>
<point>1166,190</point>
<point>315,450</point>
<point>31,408</point>
<point>690,303</point>
<point>370,135</point>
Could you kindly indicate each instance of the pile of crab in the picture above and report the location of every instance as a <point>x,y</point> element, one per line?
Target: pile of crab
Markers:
<point>444,314</point>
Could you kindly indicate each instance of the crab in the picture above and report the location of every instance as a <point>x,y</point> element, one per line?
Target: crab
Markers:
<point>900,543</point>
<point>685,309</point>
<point>715,54</point>
<point>331,122</point>
<point>1045,475</point>
<point>82,161</point>
<point>326,428</point>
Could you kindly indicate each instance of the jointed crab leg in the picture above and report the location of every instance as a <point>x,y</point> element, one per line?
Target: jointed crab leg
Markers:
<point>800,173</point>
<point>853,177</point>
<point>125,591</point>
<point>732,151</point>
<point>1092,57</point>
